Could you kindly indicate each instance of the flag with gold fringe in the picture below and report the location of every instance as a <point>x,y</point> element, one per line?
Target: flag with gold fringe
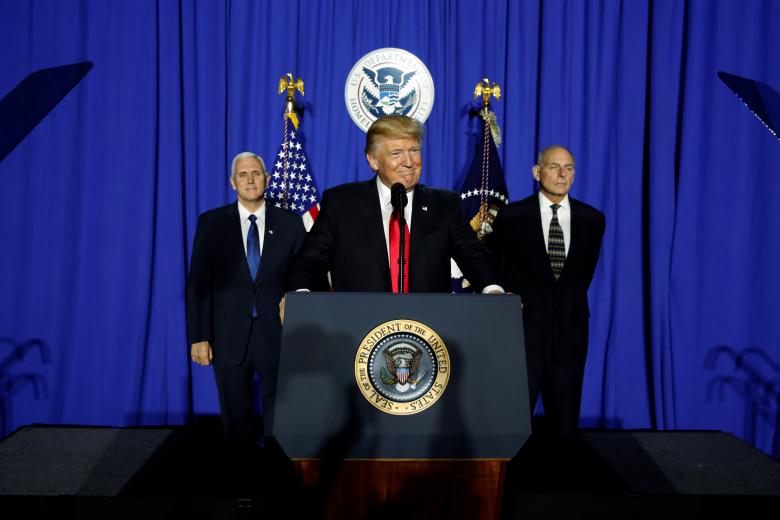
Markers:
<point>484,191</point>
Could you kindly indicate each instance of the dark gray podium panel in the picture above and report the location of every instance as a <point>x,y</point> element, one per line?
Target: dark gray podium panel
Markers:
<point>483,413</point>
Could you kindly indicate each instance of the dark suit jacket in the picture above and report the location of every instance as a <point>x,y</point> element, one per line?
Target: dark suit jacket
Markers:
<point>555,313</point>
<point>348,240</point>
<point>220,291</point>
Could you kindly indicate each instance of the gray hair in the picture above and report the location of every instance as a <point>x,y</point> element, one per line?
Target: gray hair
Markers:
<point>244,155</point>
<point>543,152</point>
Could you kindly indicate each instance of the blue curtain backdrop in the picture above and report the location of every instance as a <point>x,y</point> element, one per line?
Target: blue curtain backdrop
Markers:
<point>98,204</point>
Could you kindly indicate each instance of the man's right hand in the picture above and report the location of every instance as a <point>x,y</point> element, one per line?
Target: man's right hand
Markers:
<point>281,309</point>
<point>201,353</point>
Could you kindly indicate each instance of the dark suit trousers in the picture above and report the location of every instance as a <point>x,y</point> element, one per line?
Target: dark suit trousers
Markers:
<point>559,381</point>
<point>235,388</point>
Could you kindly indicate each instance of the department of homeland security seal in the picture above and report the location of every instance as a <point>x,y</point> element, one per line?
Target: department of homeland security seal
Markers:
<point>388,81</point>
<point>402,367</point>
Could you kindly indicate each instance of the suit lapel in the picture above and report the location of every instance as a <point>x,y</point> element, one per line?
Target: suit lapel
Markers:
<point>420,219</point>
<point>421,222</point>
<point>235,238</point>
<point>368,211</point>
<point>269,238</point>
<point>574,240</point>
<point>537,236</point>
<point>575,244</point>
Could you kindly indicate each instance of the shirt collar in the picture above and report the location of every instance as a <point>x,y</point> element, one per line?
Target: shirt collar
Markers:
<point>545,203</point>
<point>385,195</point>
<point>244,213</point>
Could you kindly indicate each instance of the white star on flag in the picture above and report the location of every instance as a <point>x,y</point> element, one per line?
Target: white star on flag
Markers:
<point>292,164</point>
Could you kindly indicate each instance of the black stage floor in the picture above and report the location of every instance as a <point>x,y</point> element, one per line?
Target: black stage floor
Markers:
<point>151,473</point>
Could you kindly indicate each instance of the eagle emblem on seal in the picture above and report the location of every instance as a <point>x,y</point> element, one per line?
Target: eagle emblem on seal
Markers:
<point>388,91</point>
<point>388,81</point>
<point>402,366</point>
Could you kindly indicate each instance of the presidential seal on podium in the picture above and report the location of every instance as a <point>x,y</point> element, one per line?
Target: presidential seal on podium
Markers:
<point>402,367</point>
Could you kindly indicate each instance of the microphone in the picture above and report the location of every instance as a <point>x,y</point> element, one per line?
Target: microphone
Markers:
<point>398,197</point>
<point>399,200</point>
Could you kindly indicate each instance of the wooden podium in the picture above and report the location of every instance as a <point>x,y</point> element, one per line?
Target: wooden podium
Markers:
<point>362,441</point>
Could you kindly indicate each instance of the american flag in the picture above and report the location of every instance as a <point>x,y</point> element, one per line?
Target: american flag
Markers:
<point>292,185</point>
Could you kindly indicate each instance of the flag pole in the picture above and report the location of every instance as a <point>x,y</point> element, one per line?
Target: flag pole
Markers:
<point>487,90</point>
<point>286,83</point>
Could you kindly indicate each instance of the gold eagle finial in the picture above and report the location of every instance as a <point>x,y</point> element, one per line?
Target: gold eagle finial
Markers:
<point>287,83</point>
<point>486,90</point>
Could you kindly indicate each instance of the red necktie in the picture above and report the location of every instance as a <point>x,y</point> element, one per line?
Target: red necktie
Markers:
<point>395,247</point>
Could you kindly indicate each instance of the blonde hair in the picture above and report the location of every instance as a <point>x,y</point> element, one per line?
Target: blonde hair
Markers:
<point>393,127</point>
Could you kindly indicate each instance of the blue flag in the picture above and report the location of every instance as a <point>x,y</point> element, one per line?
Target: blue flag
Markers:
<point>483,192</point>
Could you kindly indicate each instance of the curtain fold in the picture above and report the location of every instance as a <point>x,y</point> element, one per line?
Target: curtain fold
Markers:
<point>99,203</point>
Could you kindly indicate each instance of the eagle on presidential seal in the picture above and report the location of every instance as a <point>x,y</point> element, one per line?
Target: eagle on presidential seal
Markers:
<point>403,363</point>
<point>388,91</point>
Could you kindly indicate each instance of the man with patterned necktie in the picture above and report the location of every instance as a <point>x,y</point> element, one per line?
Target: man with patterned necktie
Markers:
<point>239,262</point>
<point>547,246</point>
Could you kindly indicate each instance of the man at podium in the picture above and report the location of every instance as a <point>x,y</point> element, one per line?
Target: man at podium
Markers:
<point>357,236</point>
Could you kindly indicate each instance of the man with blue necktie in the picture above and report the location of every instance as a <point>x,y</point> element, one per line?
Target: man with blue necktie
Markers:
<point>239,262</point>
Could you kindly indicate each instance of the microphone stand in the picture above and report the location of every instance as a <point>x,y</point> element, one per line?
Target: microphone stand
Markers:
<point>401,253</point>
<point>399,201</point>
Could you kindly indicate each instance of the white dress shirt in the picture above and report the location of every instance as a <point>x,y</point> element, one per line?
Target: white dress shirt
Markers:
<point>564,219</point>
<point>386,205</point>
<point>244,213</point>
<point>385,202</point>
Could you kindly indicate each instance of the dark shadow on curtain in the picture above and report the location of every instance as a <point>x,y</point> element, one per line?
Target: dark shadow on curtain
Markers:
<point>33,98</point>
<point>761,99</point>
<point>12,383</point>
<point>753,376</point>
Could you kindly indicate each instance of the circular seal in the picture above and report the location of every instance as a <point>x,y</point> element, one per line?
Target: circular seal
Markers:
<point>402,367</point>
<point>388,81</point>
